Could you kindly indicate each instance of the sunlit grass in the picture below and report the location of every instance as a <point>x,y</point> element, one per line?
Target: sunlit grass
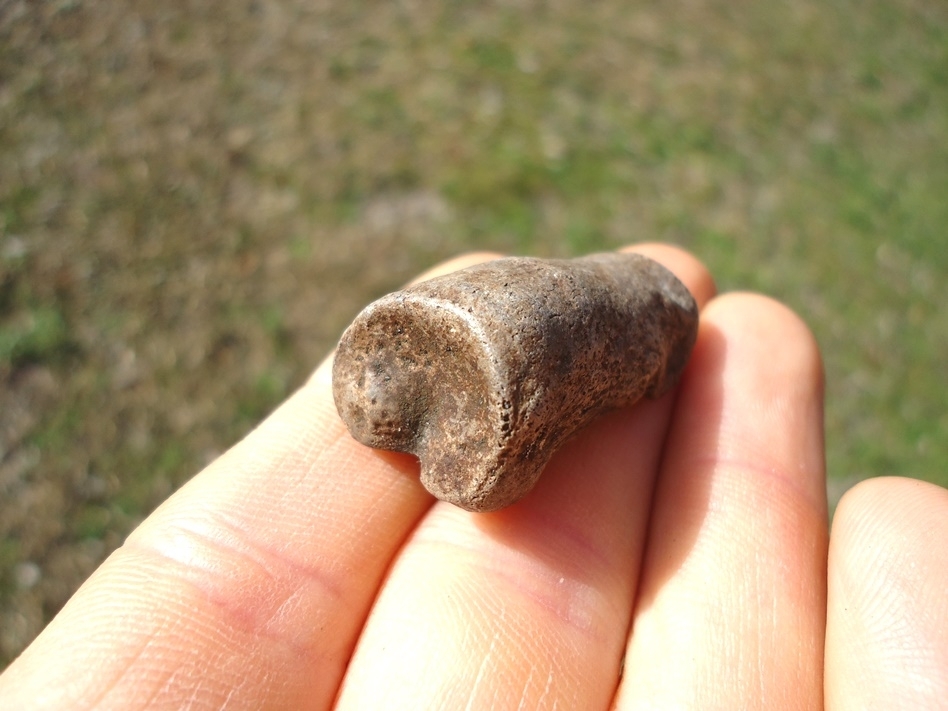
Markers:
<point>193,203</point>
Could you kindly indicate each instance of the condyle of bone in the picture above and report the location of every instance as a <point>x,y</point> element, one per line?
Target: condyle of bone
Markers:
<point>484,373</point>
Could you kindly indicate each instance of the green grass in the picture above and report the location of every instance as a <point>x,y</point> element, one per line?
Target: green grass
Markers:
<point>40,335</point>
<point>194,202</point>
<point>806,159</point>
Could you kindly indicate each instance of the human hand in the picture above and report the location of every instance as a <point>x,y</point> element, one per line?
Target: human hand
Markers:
<point>674,555</point>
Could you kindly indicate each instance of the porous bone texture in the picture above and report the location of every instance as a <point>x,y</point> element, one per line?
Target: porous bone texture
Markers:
<point>485,372</point>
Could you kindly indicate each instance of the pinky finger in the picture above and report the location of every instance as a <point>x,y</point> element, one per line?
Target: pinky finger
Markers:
<point>887,611</point>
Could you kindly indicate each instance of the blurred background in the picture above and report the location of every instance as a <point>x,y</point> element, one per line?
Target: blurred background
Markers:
<point>197,196</point>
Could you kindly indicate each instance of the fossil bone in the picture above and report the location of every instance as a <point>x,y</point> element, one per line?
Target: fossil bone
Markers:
<point>485,372</point>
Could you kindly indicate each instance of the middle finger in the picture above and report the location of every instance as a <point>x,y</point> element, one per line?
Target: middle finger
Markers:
<point>528,606</point>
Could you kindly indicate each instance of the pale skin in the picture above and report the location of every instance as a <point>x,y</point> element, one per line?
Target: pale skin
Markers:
<point>675,554</point>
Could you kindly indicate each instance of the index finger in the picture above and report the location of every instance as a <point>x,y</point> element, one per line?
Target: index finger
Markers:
<point>247,587</point>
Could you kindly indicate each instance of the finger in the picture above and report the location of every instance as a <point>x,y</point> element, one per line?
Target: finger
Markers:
<point>248,587</point>
<point>460,262</point>
<point>527,607</point>
<point>731,601</point>
<point>887,614</point>
<point>688,269</point>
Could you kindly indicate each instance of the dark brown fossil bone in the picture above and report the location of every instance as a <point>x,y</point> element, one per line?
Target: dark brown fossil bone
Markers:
<point>485,372</point>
